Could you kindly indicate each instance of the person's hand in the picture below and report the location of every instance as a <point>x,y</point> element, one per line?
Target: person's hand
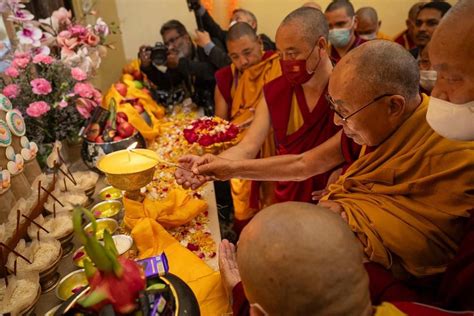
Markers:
<point>186,178</point>
<point>335,207</point>
<point>144,54</point>
<point>214,167</point>
<point>172,60</point>
<point>228,266</point>
<point>316,195</point>
<point>202,38</point>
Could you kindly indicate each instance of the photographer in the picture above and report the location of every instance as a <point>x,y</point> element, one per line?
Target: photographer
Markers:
<point>215,31</point>
<point>178,68</point>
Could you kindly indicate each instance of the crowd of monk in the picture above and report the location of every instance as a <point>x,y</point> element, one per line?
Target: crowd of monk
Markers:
<point>353,178</point>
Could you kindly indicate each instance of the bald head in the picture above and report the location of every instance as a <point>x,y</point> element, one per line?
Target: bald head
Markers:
<point>368,22</point>
<point>338,4</point>
<point>301,259</point>
<point>311,23</point>
<point>450,51</point>
<point>239,30</point>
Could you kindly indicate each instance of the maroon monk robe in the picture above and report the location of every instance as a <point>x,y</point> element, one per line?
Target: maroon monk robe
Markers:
<point>404,40</point>
<point>334,55</point>
<point>317,128</point>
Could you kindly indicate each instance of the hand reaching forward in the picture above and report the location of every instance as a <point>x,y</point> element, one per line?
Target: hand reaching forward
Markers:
<point>213,167</point>
<point>185,177</point>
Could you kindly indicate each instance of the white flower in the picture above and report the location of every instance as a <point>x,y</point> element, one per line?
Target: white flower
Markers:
<point>30,35</point>
<point>101,27</point>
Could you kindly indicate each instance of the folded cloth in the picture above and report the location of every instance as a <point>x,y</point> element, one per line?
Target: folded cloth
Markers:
<point>152,239</point>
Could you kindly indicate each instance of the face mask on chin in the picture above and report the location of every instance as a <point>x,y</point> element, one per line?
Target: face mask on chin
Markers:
<point>341,37</point>
<point>428,79</point>
<point>295,71</point>
<point>368,37</point>
<point>450,120</point>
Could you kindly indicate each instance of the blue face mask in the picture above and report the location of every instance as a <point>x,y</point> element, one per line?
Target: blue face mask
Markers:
<point>340,37</point>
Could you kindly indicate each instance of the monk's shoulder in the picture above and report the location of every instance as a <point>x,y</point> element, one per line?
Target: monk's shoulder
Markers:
<point>224,74</point>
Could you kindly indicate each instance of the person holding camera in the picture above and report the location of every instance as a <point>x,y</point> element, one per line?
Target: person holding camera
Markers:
<point>178,68</point>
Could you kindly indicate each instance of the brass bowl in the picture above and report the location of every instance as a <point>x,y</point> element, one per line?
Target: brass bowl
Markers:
<point>107,209</point>
<point>74,280</point>
<point>110,193</point>
<point>102,224</point>
<point>80,254</point>
<point>49,278</point>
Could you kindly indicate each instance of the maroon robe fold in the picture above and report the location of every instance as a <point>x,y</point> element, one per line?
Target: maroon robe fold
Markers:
<point>334,55</point>
<point>317,128</point>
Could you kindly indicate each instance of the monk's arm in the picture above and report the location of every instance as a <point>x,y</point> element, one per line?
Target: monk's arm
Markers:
<point>256,134</point>
<point>221,108</point>
<point>300,167</point>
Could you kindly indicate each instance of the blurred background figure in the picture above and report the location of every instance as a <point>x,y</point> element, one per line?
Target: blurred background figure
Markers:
<point>427,74</point>
<point>427,19</point>
<point>368,26</point>
<point>407,37</point>
<point>312,4</point>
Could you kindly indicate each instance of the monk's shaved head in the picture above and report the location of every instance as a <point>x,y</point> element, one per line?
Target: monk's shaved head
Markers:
<point>382,67</point>
<point>311,23</point>
<point>346,4</point>
<point>312,4</point>
<point>301,259</point>
<point>451,50</point>
<point>368,14</point>
<point>239,30</point>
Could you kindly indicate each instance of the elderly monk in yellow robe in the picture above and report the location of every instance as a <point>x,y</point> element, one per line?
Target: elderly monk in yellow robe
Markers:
<point>238,92</point>
<point>368,26</point>
<point>407,196</point>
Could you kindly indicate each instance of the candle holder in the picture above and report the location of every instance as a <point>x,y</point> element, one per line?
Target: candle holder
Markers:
<point>129,171</point>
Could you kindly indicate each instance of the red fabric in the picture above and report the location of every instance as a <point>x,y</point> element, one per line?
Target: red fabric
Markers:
<point>240,304</point>
<point>404,40</point>
<point>457,287</point>
<point>334,55</point>
<point>317,128</point>
<point>416,309</point>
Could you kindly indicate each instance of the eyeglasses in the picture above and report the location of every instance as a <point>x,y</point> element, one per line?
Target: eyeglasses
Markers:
<point>332,104</point>
<point>173,40</point>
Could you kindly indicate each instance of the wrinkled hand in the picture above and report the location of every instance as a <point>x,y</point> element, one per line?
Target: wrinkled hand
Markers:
<point>214,167</point>
<point>144,54</point>
<point>316,195</point>
<point>188,179</point>
<point>228,266</point>
<point>202,38</point>
<point>335,207</point>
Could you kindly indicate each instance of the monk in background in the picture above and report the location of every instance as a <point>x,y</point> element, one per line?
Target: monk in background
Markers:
<point>368,25</point>
<point>407,37</point>
<point>239,91</point>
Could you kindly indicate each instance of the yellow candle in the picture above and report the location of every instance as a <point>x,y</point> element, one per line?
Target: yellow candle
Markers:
<point>126,162</point>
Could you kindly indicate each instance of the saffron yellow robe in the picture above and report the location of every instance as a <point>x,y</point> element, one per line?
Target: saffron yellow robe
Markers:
<point>408,199</point>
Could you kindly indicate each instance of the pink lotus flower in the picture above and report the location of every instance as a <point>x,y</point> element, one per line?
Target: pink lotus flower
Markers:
<point>84,90</point>
<point>11,91</point>
<point>37,109</point>
<point>41,86</point>
<point>78,74</point>
<point>30,35</point>
<point>44,59</point>
<point>20,62</point>
<point>12,72</point>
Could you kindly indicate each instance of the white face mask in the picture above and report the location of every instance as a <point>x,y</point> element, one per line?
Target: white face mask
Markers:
<point>428,79</point>
<point>368,37</point>
<point>450,120</point>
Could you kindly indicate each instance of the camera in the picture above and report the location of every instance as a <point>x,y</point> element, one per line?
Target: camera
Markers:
<point>193,5</point>
<point>159,54</point>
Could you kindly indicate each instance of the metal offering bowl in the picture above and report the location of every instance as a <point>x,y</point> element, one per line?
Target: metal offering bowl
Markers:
<point>49,278</point>
<point>107,209</point>
<point>102,224</point>
<point>110,193</point>
<point>74,280</point>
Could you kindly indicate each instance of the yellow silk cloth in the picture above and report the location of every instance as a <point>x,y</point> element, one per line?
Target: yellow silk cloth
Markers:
<point>154,111</point>
<point>387,309</point>
<point>152,239</point>
<point>407,200</point>
<point>245,98</point>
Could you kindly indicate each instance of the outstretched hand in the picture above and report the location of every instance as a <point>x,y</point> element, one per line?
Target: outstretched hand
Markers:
<point>185,176</point>
<point>215,167</point>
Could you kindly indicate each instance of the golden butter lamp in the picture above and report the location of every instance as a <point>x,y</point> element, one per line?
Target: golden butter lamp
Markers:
<point>129,170</point>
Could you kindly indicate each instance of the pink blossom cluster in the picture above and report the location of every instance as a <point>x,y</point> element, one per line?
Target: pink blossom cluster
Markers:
<point>208,131</point>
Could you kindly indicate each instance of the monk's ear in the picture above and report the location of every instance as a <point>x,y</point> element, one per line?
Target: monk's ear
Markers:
<point>323,44</point>
<point>396,108</point>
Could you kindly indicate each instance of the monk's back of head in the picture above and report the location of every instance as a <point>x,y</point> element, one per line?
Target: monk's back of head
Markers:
<point>239,30</point>
<point>301,259</point>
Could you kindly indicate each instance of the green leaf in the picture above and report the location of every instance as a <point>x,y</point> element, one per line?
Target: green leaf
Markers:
<point>89,269</point>
<point>93,298</point>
